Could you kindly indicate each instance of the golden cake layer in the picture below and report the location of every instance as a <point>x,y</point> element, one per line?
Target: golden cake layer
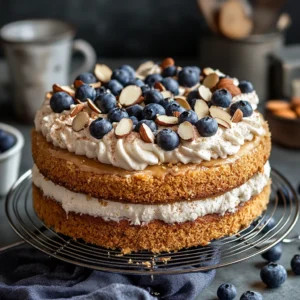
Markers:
<point>155,184</point>
<point>156,236</point>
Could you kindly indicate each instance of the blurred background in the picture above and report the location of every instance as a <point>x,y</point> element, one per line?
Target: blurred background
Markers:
<point>134,28</point>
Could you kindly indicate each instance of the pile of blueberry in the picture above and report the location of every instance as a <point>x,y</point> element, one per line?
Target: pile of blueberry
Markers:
<point>6,141</point>
<point>171,78</point>
<point>273,275</point>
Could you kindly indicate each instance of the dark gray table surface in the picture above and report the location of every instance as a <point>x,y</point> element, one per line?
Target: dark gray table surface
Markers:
<point>245,275</point>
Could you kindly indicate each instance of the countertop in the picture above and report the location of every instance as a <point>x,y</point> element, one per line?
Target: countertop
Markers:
<point>245,275</point>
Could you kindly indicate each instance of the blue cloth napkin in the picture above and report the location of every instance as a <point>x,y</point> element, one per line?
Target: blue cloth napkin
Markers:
<point>28,274</point>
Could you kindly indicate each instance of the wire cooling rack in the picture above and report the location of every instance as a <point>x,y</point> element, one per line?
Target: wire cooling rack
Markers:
<point>283,207</point>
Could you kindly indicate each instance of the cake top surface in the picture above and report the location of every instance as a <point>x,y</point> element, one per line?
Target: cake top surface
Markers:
<point>158,113</point>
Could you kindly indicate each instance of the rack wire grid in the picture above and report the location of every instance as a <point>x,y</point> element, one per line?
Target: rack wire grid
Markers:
<point>283,207</point>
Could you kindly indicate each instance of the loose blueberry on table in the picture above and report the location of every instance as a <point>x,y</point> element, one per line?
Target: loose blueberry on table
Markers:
<point>250,295</point>
<point>226,291</point>
<point>273,254</point>
<point>295,264</point>
<point>7,141</point>
<point>273,275</point>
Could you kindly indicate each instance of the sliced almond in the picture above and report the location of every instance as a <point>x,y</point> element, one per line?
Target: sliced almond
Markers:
<point>80,121</point>
<point>221,114</point>
<point>146,133</point>
<point>181,100</point>
<point>176,113</point>
<point>95,85</point>
<point>77,109</point>
<point>204,93</point>
<point>93,107</point>
<point>78,83</point>
<point>144,69</point>
<point>201,108</point>
<point>223,123</point>
<point>123,128</point>
<point>77,101</point>
<point>186,131</point>
<point>207,71</point>
<point>211,80</point>
<point>103,72</point>
<point>166,94</point>
<point>63,88</point>
<point>167,62</point>
<point>164,120</point>
<point>159,86</point>
<point>237,116</point>
<point>228,84</point>
<point>130,95</point>
<point>49,95</point>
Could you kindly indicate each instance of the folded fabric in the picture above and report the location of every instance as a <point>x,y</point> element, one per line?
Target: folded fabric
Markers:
<point>28,274</point>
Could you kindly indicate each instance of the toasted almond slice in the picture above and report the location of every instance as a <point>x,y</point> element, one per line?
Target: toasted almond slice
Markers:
<point>78,101</point>
<point>207,71</point>
<point>49,95</point>
<point>123,128</point>
<point>181,100</point>
<point>285,113</point>
<point>186,131</point>
<point>95,85</point>
<point>81,121</point>
<point>78,83</point>
<point>167,62</point>
<point>204,93</point>
<point>166,94</point>
<point>223,123</point>
<point>275,105</point>
<point>176,114</point>
<point>159,86</point>
<point>146,133</point>
<point>228,84</point>
<point>63,88</point>
<point>93,107</point>
<point>219,73</point>
<point>145,68</point>
<point>237,116</point>
<point>164,120</point>
<point>211,80</point>
<point>201,108</point>
<point>77,109</point>
<point>130,95</point>
<point>219,113</point>
<point>94,115</point>
<point>103,72</point>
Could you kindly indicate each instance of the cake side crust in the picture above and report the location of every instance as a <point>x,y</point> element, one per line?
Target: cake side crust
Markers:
<point>156,236</point>
<point>196,183</point>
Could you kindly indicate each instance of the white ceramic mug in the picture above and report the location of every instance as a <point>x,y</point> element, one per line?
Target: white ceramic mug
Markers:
<point>39,54</point>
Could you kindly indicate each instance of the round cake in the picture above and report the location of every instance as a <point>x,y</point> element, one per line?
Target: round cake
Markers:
<point>159,158</point>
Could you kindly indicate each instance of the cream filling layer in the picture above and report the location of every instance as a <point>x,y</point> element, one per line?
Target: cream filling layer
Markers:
<point>139,214</point>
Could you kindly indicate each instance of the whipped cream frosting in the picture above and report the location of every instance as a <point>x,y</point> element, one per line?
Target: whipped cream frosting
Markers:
<point>139,214</point>
<point>132,153</point>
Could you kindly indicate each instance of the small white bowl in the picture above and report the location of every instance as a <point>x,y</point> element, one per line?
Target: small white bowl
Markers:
<point>10,160</point>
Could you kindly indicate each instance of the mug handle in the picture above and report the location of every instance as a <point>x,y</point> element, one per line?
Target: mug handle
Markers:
<point>89,57</point>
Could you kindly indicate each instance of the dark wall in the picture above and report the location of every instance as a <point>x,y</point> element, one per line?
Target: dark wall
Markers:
<point>131,28</point>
